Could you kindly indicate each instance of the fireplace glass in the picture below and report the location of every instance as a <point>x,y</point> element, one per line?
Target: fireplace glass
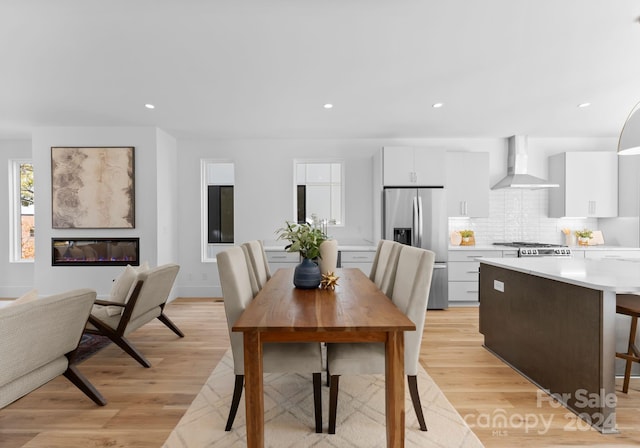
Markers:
<point>95,251</point>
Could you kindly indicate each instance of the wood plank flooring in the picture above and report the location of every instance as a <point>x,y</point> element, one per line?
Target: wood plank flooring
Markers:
<point>145,404</point>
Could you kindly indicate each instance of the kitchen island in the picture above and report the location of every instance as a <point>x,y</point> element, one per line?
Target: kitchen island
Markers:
<point>554,321</point>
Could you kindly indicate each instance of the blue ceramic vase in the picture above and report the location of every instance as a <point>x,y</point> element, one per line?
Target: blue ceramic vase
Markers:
<point>307,275</point>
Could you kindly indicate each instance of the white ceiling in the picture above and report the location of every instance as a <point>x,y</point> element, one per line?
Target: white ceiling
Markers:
<point>264,68</point>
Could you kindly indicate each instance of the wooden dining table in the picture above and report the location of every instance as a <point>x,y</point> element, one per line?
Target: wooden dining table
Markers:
<point>356,311</point>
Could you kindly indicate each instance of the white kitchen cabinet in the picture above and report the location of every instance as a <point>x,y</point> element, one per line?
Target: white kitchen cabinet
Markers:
<point>464,272</point>
<point>281,259</point>
<point>467,184</point>
<point>412,166</point>
<point>588,184</point>
<point>612,253</point>
<point>629,186</point>
<point>362,260</point>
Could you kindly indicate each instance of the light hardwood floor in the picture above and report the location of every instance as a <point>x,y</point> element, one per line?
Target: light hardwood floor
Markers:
<point>145,404</point>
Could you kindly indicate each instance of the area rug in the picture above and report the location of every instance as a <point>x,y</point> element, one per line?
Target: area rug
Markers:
<point>90,344</point>
<point>289,419</point>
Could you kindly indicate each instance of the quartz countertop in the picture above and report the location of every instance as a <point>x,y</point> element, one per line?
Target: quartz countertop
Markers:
<point>346,245</point>
<point>490,246</point>
<point>619,275</point>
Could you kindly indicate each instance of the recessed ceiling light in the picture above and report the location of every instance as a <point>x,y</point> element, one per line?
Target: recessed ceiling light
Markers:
<point>437,105</point>
<point>328,106</point>
<point>584,105</point>
<point>149,106</point>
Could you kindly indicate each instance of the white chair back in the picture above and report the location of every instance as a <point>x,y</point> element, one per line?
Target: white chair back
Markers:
<point>235,280</point>
<point>410,295</point>
<point>383,271</point>
<point>258,262</point>
<point>156,287</point>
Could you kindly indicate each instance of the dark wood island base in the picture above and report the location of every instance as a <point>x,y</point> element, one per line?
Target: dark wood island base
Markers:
<point>559,335</point>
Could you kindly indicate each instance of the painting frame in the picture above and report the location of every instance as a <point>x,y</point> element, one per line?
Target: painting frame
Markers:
<point>93,187</point>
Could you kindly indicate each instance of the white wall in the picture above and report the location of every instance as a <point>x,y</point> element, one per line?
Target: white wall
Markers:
<point>15,278</point>
<point>49,279</point>
<point>263,194</point>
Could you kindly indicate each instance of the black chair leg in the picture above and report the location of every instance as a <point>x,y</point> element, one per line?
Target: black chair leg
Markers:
<point>237,393</point>
<point>82,383</point>
<point>415,399</point>
<point>333,402</point>
<point>317,400</point>
<point>169,323</point>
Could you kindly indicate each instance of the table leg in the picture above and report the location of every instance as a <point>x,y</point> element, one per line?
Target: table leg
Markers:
<point>394,386</point>
<point>254,394</point>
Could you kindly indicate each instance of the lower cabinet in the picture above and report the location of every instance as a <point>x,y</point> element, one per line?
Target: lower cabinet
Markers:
<point>281,259</point>
<point>357,259</point>
<point>464,269</point>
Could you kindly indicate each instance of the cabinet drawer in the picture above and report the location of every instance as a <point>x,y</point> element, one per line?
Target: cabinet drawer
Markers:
<point>463,291</point>
<point>282,257</point>
<point>364,267</point>
<point>356,257</point>
<point>464,271</point>
<point>599,254</point>
<point>469,255</point>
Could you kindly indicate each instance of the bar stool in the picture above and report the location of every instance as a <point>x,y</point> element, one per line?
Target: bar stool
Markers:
<point>629,304</point>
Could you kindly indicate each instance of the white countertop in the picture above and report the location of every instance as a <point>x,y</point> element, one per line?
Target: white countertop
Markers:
<point>620,275</point>
<point>347,245</point>
<point>500,247</point>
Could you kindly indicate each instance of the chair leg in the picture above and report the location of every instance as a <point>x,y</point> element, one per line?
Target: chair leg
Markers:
<point>317,400</point>
<point>333,402</point>
<point>631,355</point>
<point>120,341</point>
<point>81,382</point>
<point>415,399</point>
<point>125,345</point>
<point>237,393</point>
<point>169,323</point>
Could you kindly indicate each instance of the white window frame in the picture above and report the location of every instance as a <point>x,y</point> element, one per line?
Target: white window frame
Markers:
<point>15,212</point>
<point>342,186</point>
<point>209,250</point>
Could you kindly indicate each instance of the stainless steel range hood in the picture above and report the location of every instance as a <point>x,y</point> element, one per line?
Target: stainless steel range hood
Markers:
<point>517,176</point>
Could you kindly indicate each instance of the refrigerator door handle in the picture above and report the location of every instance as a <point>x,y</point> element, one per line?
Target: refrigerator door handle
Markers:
<point>420,221</point>
<point>416,229</point>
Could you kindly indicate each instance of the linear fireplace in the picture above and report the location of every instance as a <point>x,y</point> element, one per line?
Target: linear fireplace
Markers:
<point>95,251</point>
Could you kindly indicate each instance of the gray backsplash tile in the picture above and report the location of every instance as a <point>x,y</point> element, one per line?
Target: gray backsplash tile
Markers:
<point>520,215</point>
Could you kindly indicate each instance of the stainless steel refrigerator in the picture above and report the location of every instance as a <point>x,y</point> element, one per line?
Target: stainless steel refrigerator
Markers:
<point>418,217</point>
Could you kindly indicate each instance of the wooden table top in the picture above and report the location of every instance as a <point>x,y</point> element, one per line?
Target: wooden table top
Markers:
<point>355,305</point>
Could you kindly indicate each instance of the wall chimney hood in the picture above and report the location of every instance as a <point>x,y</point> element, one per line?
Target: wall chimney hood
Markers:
<point>517,176</point>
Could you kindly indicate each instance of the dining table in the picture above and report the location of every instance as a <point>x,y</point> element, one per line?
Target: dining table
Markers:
<point>355,311</point>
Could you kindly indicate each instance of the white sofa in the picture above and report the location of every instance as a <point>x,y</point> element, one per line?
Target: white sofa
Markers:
<point>37,337</point>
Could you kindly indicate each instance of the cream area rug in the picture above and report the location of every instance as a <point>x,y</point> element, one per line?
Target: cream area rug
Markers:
<point>289,419</point>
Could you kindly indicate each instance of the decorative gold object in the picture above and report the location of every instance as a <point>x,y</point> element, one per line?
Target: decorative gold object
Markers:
<point>329,281</point>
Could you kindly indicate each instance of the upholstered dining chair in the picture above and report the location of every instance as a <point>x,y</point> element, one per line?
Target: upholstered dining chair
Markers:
<point>410,294</point>
<point>146,302</point>
<point>629,305</point>
<point>233,267</point>
<point>383,270</point>
<point>258,264</point>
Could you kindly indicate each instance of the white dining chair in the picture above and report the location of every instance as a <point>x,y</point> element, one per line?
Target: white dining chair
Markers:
<point>383,270</point>
<point>233,267</point>
<point>410,293</point>
<point>258,263</point>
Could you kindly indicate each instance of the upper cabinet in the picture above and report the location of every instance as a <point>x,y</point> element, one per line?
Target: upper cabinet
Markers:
<point>467,184</point>
<point>588,184</point>
<point>411,166</point>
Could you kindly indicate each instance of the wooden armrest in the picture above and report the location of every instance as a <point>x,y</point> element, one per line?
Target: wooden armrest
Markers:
<point>108,303</point>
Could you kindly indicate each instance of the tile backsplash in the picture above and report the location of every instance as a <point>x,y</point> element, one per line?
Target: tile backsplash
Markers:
<point>520,215</point>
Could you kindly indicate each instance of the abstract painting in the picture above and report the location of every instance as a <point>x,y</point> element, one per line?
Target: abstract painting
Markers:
<point>92,188</point>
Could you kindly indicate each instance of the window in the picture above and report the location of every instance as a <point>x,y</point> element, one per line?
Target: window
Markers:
<point>217,206</point>
<point>319,192</point>
<point>22,226</point>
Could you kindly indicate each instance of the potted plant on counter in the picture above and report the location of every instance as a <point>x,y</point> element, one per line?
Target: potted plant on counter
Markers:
<point>584,236</point>
<point>306,240</point>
